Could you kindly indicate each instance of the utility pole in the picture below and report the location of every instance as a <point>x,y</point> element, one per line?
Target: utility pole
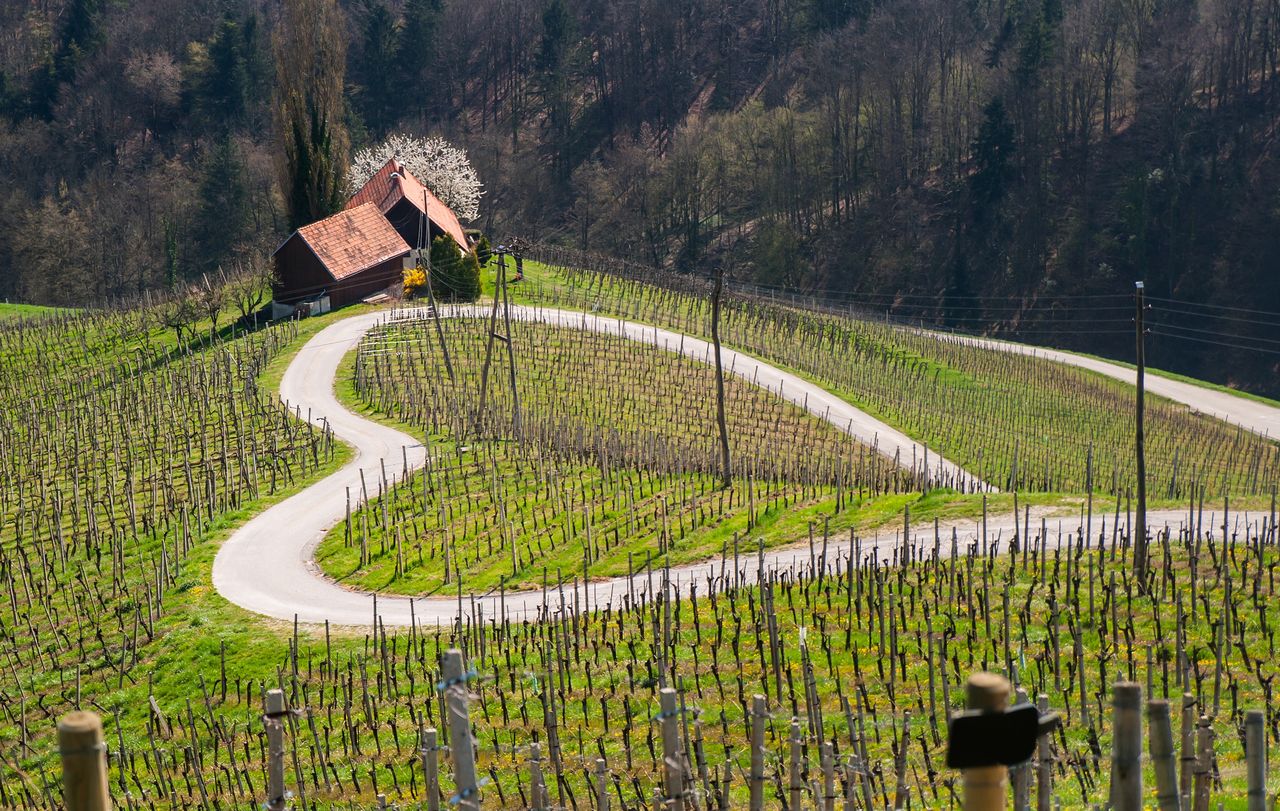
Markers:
<point>425,226</point>
<point>511,354</point>
<point>1140,539</point>
<point>726,471</point>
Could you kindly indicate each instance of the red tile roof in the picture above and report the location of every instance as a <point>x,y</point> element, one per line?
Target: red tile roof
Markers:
<point>353,240</point>
<point>385,191</point>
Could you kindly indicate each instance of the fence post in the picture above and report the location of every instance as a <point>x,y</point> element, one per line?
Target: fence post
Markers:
<point>1255,754</point>
<point>673,767</point>
<point>1044,763</point>
<point>758,716</point>
<point>467,797</point>
<point>1202,785</point>
<point>537,784</point>
<point>796,784</point>
<point>84,762</point>
<point>274,710</point>
<point>431,767</point>
<point>1126,747</point>
<point>1160,728</point>
<point>986,787</point>
<point>828,778</point>
<point>602,785</point>
<point>1021,772</point>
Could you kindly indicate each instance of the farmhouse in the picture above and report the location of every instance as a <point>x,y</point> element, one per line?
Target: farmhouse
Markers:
<point>405,201</point>
<point>343,258</point>
<point>363,249</point>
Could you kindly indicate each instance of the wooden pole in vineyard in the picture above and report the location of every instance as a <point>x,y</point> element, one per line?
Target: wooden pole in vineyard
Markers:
<point>488,347</point>
<point>1126,747</point>
<point>987,787</point>
<point>1140,535</point>
<point>84,762</point>
<point>758,716</point>
<point>467,796</point>
<point>431,295</point>
<point>726,472</point>
<point>431,768</point>
<point>673,769</point>
<point>1255,755</point>
<point>274,711</point>
<point>1163,756</point>
<point>511,354</point>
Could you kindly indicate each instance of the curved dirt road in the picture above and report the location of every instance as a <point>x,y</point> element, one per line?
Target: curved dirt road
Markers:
<point>267,566</point>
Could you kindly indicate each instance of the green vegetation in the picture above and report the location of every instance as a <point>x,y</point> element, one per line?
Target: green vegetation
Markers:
<point>1015,421</point>
<point>26,310</point>
<point>617,460</point>
<point>107,547</point>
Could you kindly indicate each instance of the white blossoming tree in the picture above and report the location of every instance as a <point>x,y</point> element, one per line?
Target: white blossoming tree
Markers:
<point>444,169</point>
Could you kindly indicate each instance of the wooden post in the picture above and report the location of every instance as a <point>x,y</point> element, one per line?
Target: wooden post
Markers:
<point>986,787</point>
<point>672,766</point>
<point>1188,762</point>
<point>1126,747</point>
<point>726,471</point>
<point>1044,763</point>
<point>431,295</point>
<point>1140,533</point>
<point>1255,755</point>
<point>828,778</point>
<point>274,710</point>
<point>511,353</point>
<point>796,783</point>
<point>1021,773</point>
<point>467,797</point>
<point>537,784</point>
<point>1202,785</point>
<point>431,767</point>
<point>1163,755</point>
<point>758,716</point>
<point>84,762</point>
<point>488,351</point>
<point>602,785</point>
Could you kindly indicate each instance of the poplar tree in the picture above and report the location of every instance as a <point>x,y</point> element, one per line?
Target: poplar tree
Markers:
<point>310,48</point>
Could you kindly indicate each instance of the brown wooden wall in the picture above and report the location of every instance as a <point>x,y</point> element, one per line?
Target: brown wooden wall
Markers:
<point>299,273</point>
<point>366,282</point>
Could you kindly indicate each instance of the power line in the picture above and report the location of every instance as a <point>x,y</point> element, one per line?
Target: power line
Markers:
<point>1217,343</point>
<point>1215,306</point>
<point>1219,334</point>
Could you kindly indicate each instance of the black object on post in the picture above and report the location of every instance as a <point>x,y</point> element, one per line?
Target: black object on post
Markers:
<point>976,738</point>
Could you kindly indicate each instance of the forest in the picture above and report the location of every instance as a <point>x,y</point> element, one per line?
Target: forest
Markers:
<point>999,166</point>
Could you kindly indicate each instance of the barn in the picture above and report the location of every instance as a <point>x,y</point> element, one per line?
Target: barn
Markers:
<point>346,257</point>
<point>405,201</point>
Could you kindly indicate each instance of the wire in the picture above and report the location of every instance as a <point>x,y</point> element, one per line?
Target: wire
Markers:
<point>1217,316</point>
<point>1217,343</point>
<point>1218,334</point>
<point>1214,306</point>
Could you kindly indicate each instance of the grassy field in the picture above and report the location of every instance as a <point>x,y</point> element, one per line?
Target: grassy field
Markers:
<point>1015,421</point>
<point>125,459</point>
<point>11,311</point>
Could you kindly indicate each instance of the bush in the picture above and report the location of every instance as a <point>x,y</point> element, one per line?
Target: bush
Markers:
<point>456,276</point>
<point>414,280</point>
<point>484,251</point>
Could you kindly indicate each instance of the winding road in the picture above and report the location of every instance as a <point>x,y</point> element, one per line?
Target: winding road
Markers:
<point>267,566</point>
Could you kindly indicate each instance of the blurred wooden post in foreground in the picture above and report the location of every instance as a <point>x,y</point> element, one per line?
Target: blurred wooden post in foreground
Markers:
<point>272,719</point>
<point>987,788</point>
<point>84,762</point>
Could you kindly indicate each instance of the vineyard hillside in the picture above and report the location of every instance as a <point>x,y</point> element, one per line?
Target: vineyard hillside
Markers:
<point>561,514</point>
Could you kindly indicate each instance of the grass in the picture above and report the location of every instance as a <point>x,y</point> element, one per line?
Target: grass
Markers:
<point>125,615</point>
<point>8,311</point>
<point>1015,421</point>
